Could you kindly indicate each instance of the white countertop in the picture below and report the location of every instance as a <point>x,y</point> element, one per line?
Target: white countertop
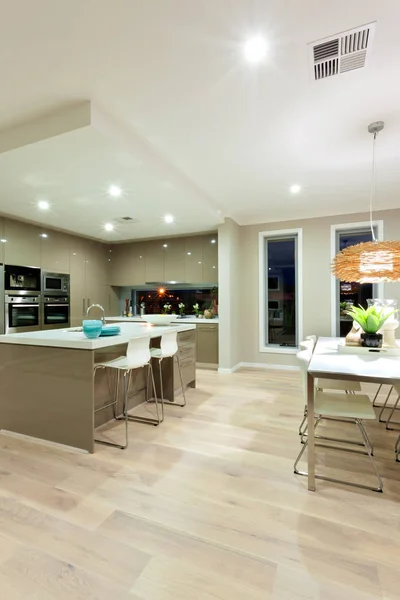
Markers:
<point>70,338</point>
<point>190,320</point>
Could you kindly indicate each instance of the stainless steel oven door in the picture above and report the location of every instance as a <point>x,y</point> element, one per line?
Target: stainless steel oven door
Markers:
<point>55,315</point>
<point>22,314</point>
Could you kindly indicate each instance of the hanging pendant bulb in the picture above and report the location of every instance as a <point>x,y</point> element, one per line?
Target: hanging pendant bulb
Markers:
<point>369,262</point>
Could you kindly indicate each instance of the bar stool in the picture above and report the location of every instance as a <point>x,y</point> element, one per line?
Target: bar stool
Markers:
<point>137,357</point>
<point>168,349</point>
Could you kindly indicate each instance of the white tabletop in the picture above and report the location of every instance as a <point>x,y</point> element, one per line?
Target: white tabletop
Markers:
<point>70,338</point>
<point>328,362</point>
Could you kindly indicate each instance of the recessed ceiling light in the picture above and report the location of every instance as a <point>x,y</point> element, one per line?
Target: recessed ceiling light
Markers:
<point>165,246</point>
<point>43,235</point>
<point>295,189</point>
<point>213,241</point>
<point>169,219</point>
<point>255,49</point>
<point>214,267</point>
<point>189,254</point>
<point>43,205</point>
<point>108,226</point>
<point>3,241</point>
<point>114,191</point>
<point>199,262</point>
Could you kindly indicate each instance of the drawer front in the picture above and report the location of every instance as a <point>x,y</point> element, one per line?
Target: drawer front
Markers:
<point>187,336</point>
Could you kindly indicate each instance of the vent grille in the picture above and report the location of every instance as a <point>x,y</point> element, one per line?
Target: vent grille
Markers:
<point>342,52</point>
<point>126,220</point>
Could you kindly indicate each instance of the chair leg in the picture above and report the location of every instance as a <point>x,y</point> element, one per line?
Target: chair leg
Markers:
<point>376,395</point>
<point>172,402</point>
<point>397,449</point>
<point>150,420</point>
<point>391,415</point>
<point>383,407</point>
<point>332,479</point>
<point>304,434</point>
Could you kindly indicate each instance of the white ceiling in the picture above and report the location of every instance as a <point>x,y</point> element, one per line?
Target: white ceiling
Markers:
<point>187,126</point>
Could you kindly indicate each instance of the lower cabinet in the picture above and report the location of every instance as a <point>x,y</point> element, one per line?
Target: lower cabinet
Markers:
<point>207,343</point>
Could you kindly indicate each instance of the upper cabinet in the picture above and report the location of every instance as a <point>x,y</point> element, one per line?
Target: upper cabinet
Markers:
<point>55,252</point>
<point>23,245</point>
<point>155,261</point>
<point>2,241</point>
<point>210,259</point>
<point>194,260</point>
<point>127,264</point>
<point>174,256</point>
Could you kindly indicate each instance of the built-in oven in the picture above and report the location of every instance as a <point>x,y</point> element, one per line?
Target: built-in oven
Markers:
<point>21,279</point>
<point>22,313</point>
<point>55,312</point>
<point>55,284</point>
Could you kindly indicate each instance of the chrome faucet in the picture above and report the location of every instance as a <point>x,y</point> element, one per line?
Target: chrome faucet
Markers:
<point>101,308</point>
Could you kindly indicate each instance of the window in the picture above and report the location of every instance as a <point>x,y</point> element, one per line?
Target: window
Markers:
<point>280,293</point>
<point>346,294</point>
<point>154,299</point>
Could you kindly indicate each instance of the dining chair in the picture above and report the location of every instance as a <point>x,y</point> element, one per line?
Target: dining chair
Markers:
<point>349,387</point>
<point>349,408</point>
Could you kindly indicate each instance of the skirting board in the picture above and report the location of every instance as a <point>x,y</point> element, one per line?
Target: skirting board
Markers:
<point>247,365</point>
<point>29,438</point>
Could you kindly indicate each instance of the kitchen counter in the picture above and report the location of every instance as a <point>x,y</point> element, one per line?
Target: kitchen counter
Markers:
<point>189,320</point>
<point>48,390</point>
<point>73,338</point>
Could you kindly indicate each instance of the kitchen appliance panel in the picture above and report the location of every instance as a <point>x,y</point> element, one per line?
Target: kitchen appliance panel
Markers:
<point>55,312</point>
<point>55,283</point>
<point>21,280</point>
<point>22,314</point>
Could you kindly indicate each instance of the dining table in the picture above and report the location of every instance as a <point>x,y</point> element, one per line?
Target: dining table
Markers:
<point>331,361</point>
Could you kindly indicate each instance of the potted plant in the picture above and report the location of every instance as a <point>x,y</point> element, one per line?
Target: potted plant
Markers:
<point>196,309</point>
<point>371,320</point>
<point>167,309</point>
<point>181,307</point>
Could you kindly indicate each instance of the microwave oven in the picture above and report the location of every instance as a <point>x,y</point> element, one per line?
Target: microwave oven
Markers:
<point>55,283</point>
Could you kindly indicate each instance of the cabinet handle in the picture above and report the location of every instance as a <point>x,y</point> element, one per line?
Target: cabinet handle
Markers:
<point>83,306</point>
<point>88,302</point>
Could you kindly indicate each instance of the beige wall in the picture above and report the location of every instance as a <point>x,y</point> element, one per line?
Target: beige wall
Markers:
<point>229,291</point>
<point>316,282</point>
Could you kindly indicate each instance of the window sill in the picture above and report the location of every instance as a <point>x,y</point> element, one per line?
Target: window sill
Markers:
<point>278,350</point>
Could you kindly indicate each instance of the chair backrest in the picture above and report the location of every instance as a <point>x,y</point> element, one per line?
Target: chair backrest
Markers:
<point>169,344</point>
<point>138,352</point>
<point>304,357</point>
<point>313,339</point>
<point>307,345</point>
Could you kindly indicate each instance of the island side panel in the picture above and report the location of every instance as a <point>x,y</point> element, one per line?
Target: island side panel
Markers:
<point>47,393</point>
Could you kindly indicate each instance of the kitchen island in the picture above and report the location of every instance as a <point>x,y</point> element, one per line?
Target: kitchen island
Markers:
<point>47,385</point>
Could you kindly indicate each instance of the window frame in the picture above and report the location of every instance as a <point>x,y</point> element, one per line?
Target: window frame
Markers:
<point>335,231</point>
<point>263,236</point>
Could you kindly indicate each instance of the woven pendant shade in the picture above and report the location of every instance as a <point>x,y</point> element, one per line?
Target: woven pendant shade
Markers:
<point>369,262</point>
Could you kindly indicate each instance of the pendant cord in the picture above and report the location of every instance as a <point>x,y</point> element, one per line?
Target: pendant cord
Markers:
<point>373,188</point>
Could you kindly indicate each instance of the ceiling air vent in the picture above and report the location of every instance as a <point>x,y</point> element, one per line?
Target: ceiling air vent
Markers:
<point>342,52</point>
<point>126,220</point>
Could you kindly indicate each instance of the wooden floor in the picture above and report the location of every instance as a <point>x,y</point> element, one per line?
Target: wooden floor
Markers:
<point>204,507</point>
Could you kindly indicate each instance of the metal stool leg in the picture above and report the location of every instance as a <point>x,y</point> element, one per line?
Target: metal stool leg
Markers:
<point>377,394</point>
<point>150,420</point>
<point>113,404</point>
<point>391,415</point>
<point>171,402</point>
<point>383,407</point>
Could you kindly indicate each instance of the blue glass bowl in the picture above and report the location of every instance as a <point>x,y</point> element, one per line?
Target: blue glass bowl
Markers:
<point>92,328</point>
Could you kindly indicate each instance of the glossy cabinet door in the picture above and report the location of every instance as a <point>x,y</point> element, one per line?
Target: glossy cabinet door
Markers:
<point>210,259</point>
<point>127,264</point>
<point>55,252</point>
<point>155,261</point>
<point>23,246</point>
<point>194,260</point>
<point>175,260</point>
<point>2,241</point>
<point>207,343</point>
<point>78,296</point>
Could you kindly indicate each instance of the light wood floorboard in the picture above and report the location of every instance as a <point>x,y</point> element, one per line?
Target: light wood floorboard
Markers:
<point>204,507</point>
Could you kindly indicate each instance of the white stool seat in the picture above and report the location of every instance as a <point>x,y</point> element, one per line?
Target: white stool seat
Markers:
<point>156,353</point>
<point>354,406</point>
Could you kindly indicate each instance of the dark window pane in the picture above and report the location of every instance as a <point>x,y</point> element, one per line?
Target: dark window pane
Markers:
<point>154,300</point>
<point>281,292</point>
<point>352,293</point>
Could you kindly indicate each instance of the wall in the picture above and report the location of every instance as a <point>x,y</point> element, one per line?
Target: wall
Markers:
<point>316,283</point>
<point>229,294</point>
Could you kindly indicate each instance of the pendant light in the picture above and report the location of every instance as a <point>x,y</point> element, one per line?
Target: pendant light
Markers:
<point>369,262</point>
